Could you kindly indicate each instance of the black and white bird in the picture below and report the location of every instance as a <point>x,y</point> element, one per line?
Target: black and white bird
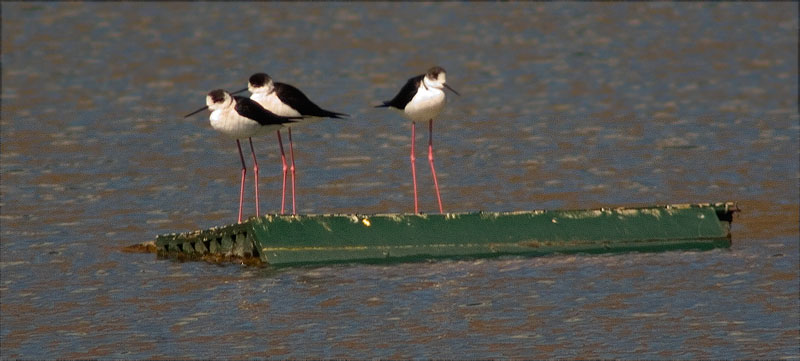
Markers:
<point>422,98</point>
<point>286,100</point>
<point>240,118</point>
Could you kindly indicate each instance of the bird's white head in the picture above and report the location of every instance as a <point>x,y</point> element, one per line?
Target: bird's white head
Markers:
<point>260,83</point>
<point>436,77</point>
<point>218,99</point>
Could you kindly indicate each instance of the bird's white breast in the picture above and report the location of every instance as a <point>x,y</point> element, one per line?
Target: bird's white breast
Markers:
<point>272,103</point>
<point>425,105</point>
<point>230,123</point>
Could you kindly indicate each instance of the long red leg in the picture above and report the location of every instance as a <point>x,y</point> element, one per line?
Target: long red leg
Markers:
<point>285,168</point>
<point>291,153</point>
<point>414,167</point>
<point>430,160</point>
<point>255,170</point>
<point>241,189</point>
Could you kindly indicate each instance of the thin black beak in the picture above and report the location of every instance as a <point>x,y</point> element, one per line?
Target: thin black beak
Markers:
<point>451,89</point>
<point>196,111</point>
<point>238,91</point>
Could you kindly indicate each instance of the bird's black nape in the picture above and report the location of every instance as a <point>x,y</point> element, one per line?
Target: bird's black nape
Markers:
<point>259,79</point>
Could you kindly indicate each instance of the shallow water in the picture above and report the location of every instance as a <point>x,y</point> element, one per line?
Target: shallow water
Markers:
<point>562,106</point>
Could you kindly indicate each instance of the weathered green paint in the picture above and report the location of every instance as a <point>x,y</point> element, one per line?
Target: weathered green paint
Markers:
<point>306,239</point>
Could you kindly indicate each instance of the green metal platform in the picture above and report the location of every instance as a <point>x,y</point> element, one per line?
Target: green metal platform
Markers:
<point>310,239</point>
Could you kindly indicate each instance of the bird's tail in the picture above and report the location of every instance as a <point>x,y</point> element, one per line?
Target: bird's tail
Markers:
<point>336,115</point>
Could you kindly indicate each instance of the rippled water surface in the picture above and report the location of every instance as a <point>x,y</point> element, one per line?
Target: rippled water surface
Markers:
<point>563,105</point>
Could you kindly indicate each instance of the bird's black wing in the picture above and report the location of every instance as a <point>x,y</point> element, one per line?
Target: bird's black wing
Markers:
<point>249,108</point>
<point>294,98</point>
<point>405,95</point>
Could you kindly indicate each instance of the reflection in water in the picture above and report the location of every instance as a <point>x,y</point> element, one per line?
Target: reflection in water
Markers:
<point>562,106</point>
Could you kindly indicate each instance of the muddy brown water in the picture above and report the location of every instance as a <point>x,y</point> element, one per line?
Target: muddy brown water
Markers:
<point>562,106</point>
